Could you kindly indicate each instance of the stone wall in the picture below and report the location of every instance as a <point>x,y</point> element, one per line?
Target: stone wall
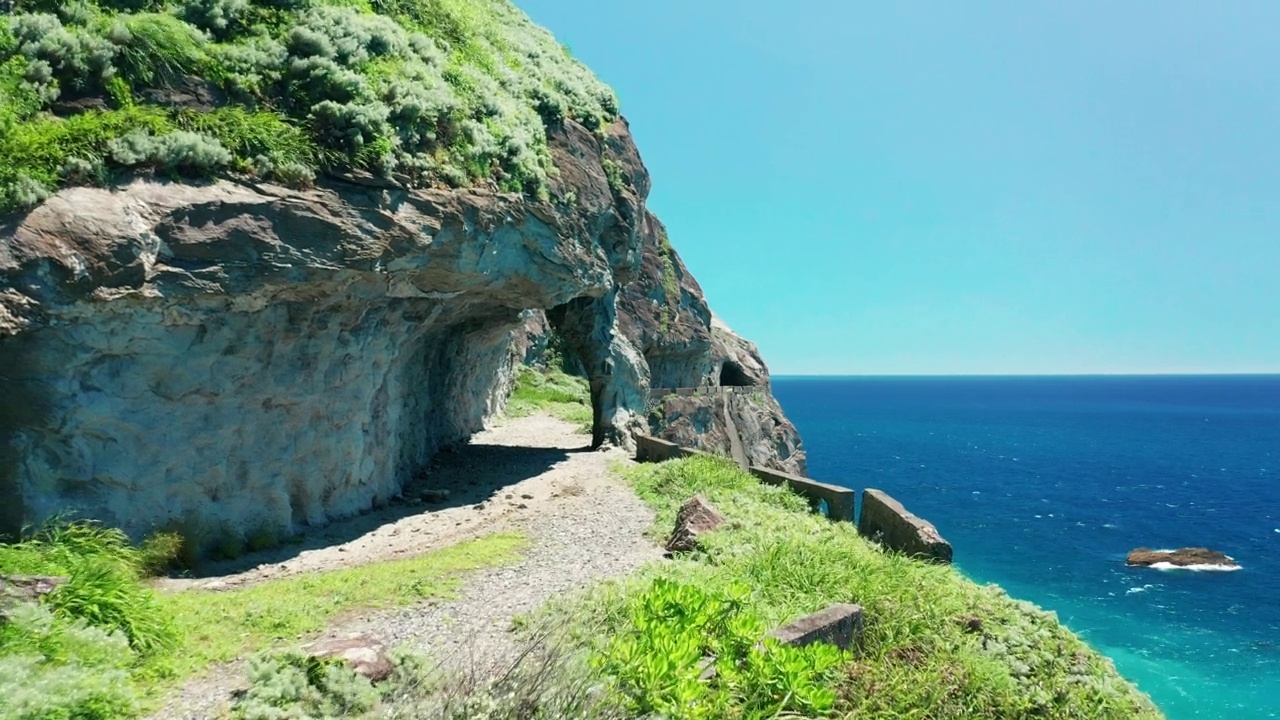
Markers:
<point>886,521</point>
<point>880,518</point>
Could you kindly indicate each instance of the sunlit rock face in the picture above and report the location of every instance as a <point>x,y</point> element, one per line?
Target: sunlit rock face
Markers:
<point>241,356</point>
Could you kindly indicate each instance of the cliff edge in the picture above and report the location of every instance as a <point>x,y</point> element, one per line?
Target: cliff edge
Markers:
<point>258,268</point>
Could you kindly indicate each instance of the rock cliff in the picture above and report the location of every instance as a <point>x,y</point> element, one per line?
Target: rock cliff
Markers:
<point>240,355</point>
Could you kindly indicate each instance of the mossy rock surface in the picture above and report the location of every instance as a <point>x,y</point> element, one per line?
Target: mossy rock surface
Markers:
<point>419,92</point>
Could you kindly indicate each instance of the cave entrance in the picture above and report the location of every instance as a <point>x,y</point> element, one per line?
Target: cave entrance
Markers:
<point>576,324</point>
<point>732,375</point>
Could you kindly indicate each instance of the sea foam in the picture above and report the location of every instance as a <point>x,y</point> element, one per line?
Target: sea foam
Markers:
<point>1195,568</point>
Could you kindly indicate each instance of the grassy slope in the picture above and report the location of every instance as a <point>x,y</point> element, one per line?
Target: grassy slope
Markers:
<point>918,658</point>
<point>551,391</point>
<point>219,626</point>
<point>161,638</point>
<point>426,91</point>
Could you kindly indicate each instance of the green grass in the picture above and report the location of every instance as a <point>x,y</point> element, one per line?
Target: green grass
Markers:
<point>105,581</point>
<point>162,637</point>
<point>918,658</point>
<point>553,391</point>
<point>217,626</point>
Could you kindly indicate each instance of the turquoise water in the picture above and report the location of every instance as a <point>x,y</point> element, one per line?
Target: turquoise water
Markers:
<point>1044,484</point>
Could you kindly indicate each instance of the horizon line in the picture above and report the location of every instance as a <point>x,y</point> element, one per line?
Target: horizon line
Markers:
<point>1028,375</point>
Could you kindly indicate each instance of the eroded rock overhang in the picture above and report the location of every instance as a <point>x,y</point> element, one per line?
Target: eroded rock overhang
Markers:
<point>240,355</point>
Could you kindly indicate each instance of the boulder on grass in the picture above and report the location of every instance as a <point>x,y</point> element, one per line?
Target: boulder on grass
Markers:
<point>839,625</point>
<point>696,516</point>
<point>365,655</point>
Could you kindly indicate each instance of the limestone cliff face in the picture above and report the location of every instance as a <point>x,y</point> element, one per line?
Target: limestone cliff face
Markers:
<point>244,355</point>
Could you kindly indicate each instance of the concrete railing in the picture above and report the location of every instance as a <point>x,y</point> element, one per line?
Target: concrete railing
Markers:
<point>699,391</point>
<point>880,518</point>
<point>840,500</point>
<point>887,521</point>
<point>652,449</point>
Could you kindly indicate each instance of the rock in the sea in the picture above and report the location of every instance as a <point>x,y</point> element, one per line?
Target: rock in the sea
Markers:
<point>696,516</point>
<point>1183,557</point>
<point>365,655</point>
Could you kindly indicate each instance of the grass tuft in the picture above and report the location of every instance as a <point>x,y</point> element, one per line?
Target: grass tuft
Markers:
<point>552,391</point>
<point>104,587</point>
<point>105,638</point>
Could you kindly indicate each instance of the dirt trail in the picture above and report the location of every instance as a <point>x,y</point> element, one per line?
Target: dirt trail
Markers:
<point>530,474</point>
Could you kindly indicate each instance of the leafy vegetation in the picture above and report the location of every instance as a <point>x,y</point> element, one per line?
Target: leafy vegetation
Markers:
<point>935,644</point>
<point>51,667</point>
<point>553,391</point>
<point>104,587</point>
<point>684,638</point>
<point>671,627</point>
<point>426,92</point>
<point>542,682</point>
<point>302,686</point>
<point>104,639</point>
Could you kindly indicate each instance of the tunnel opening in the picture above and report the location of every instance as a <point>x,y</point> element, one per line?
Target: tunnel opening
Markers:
<point>732,375</point>
<point>573,323</point>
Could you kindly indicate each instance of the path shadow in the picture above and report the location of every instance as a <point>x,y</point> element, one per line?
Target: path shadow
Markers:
<point>466,475</point>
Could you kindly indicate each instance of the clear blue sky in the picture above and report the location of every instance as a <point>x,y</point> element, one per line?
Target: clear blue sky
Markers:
<point>976,187</point>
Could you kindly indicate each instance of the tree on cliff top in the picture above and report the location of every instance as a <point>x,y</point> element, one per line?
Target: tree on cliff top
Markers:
<point>423,92</point>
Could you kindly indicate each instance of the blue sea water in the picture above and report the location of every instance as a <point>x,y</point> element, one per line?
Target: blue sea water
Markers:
<point>1044,484</point>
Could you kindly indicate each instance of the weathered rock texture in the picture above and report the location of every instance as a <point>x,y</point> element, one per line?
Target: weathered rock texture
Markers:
<point>696,516</point>
<point>16,589</point>
<point>241,356</point>
<point>364,654</point>
<point>886,521</point>
<point>839,625</point>
<point>1183,557</point>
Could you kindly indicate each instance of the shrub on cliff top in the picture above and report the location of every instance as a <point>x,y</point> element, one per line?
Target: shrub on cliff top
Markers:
<point>441,92</point>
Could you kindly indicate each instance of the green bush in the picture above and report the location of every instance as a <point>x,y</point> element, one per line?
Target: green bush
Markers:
<point>775,561</point>
<point>445,92</point>
<point>103,587</point>
<point>79,58</point>
<point>179,153</point>
<point>293,685</point>
<point>220,18</point>
<point>55,669</point>
<point>676,631</point>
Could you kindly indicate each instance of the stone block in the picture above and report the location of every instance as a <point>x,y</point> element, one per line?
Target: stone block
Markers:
<point>652,449</point>
<point>696,516</point>
<point>839,500</point>
<point>839,625</point>
<point>886,521</point>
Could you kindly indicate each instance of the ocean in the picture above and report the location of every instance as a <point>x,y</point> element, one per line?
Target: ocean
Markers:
<point>1044,484</point>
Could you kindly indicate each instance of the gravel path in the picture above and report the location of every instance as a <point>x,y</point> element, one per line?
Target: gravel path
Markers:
<point>529,474</point>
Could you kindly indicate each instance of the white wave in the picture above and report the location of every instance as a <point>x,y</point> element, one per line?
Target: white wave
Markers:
<point>1133,590</point>
<point>1195,568</point>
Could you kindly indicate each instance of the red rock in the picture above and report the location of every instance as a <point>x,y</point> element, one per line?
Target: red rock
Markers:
<point>696,516</point>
